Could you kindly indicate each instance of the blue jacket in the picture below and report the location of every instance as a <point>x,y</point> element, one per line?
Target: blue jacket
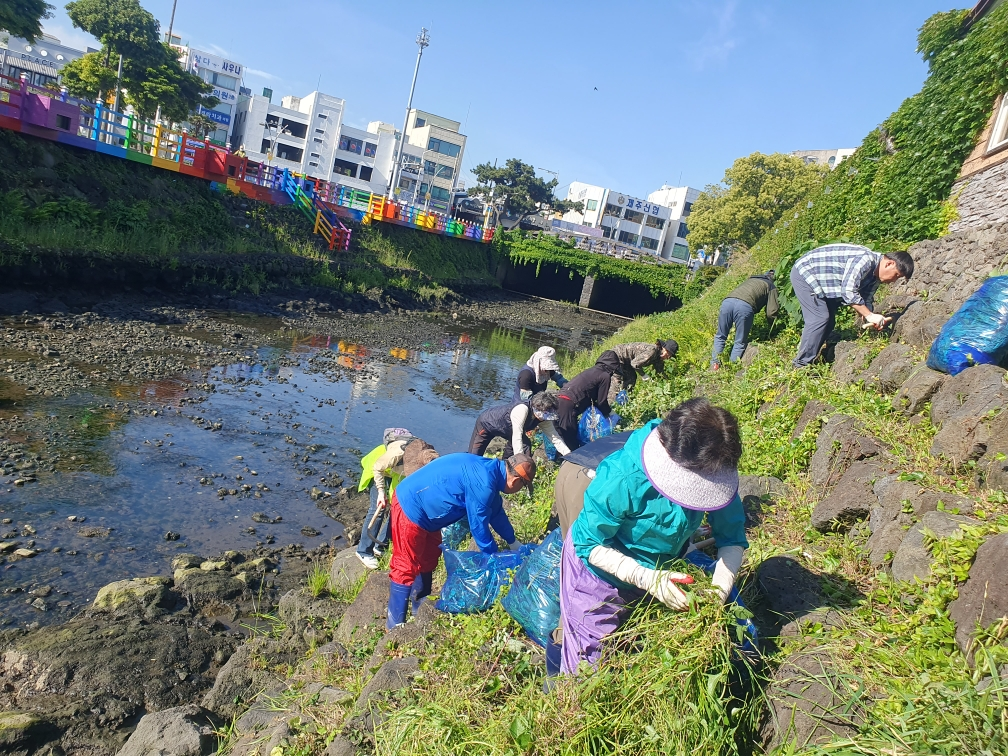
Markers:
<point>456,486</point>
<point>623,511</point>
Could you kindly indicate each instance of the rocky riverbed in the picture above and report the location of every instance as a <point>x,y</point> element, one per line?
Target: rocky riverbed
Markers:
<point>201,457</point>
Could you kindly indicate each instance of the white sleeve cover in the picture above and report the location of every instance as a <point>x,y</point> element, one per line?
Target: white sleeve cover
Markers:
<point>549,430</point>
<point>656,582</point>
<point>518,417</point>
<point>726,569</point>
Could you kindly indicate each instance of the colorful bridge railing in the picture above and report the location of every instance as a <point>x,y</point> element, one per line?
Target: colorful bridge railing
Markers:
<point>52,115</point>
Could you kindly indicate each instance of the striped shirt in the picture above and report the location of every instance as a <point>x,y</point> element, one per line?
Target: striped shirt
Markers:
<point>841,271</point>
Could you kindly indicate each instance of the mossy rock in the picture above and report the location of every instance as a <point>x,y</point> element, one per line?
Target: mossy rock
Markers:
<point>139,593</point>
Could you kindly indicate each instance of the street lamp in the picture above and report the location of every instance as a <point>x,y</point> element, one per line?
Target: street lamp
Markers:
<point>422,40</point>
<point>276,134</point>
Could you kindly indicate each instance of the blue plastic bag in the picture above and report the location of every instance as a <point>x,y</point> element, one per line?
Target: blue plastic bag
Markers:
<point>475,579</point>
<point>749,633</point>
<point>977,334</point>
<point>551,451</point>
<point>453,535</point>
<point>534,598</point>
<point>593,425</point>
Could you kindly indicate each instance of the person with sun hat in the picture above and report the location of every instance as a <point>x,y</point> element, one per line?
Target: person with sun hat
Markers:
<point>639,512</point>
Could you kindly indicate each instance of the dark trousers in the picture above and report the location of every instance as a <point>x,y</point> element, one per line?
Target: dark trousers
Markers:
<point>481,438</point>
<point>738,314</point>
<point>820,317</point>
<point>380,530</point>
<point>567,422</point>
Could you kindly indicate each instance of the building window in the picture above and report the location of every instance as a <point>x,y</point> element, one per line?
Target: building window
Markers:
<point>345,168</point>
<point>999,134</point>
<point>265,146</point>
<point>445,148</point>
<point>315,155</point>
<point>317,140</point>
<point>429,166</point>
<point>313,165</point>
<point>227,82</point>
<point>683,231</point>
<point>295,129</point>
<point>436,192</point>
<point>607,232</point>
<point>320,131</point>
<point>444,171</point>
<point>680,252</point>
<point>614,210</point>
<point>648,243</point>
<point>628,238</point>
<point>832,160</point>
<point>633,216</point>
<point>289,152</point>
<point>419,123</point>
<point>591,205</point>
<point>322,115</point>
<point>272,121</point>
<point>687,206</point>
<point>370,149</point>
<point>349,144</point>
<point>365,172</point>
<point>654,221</point>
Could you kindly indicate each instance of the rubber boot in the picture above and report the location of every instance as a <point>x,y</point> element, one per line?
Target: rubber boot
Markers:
<point>553,658</point>
<point>399,595</point>
<point>421,590</point>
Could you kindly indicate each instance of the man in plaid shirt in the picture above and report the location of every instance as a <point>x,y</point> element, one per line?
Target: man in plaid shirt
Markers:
<point>836,274</point>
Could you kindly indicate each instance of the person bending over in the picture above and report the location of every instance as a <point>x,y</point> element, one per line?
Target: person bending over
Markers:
<point>515,422</point>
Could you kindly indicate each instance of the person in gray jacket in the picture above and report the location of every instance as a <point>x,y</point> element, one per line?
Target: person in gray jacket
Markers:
<point>637,355</point>
<point>739,309</point>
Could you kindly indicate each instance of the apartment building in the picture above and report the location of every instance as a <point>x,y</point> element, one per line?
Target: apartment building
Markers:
<point>39,61</point>
<point>655,225</point>
<point>431,160</point>
<point>225,76</point>
<point>364,157</point>
<point>301,134</point>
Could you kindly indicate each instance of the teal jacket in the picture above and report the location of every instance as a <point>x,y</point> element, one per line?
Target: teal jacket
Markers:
<point>623,511</point>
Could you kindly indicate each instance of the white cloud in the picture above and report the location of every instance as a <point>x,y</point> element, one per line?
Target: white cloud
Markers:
<point>261,74</point>
<point>69,36</point>
<point>716,44</point>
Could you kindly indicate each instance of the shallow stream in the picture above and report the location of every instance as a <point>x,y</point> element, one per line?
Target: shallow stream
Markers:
<point>201,453</point>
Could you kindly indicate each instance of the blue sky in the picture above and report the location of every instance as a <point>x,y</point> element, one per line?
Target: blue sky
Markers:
<point>623,94</point>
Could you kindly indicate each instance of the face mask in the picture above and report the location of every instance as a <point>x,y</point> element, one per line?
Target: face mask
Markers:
<point>547,416</point>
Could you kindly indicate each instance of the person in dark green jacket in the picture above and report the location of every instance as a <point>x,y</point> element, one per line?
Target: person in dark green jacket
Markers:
<point>739,309</point>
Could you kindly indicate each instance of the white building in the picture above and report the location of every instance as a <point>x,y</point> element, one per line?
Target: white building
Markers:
<point>364,158</point>
<point>431,160</point>
<point>40,61</point>
<point>225,76</point>
<point>656,225</point>
<point>831,158</point>
<point>301,134</point>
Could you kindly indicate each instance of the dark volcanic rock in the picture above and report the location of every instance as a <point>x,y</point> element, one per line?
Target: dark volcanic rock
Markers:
<point>913,560</point>
<point>180,731</point>
<point>367,613</point>
<point>838,445</point>
<point>849,361</point>
<point>918,389</point>
<point>851,500</point>
<point>983,598</point>
<point>891,367</point>
<point>791,591</point>
<point>813,414</point>
<point>809,703</point>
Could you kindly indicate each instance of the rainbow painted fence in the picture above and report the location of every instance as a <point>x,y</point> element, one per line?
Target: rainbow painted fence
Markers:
<point>52,115</point>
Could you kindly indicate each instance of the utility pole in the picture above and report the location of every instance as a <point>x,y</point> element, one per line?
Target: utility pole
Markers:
<point>171,23</point>
<point>422,40</point>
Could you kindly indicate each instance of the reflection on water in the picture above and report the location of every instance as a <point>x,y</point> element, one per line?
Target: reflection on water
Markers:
<point>296,418</point>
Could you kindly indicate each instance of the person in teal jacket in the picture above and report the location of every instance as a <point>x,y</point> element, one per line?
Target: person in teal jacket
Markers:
<point>639,512</point>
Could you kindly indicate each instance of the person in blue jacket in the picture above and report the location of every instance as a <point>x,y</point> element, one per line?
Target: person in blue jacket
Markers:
<point>639,512</point>
<point>435,496</point>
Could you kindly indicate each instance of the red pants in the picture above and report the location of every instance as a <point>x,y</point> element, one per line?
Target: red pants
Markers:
<point>414,550</point>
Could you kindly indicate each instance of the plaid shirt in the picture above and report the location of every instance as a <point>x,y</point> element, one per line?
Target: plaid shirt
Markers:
<point>841,271</point>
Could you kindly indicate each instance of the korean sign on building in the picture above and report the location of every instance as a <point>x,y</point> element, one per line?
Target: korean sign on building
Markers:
<point>641,206</point>
<point>202,60</point>
<point>222,118</point>
<point>224,95</point>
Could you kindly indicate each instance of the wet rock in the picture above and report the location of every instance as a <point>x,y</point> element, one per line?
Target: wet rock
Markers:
<point>913,560</point>
<point>186,561</point>
<point>171,535</point>
<point>917,390</point>
<point>21,731</point>
<point>809,704</point>
<point>207,589</point>
<point>839,444</point>
<point>310,532</point>
<point>209,565</point>
<point>6,546</point>
<point>265,518</point>
<point>25,553</point>
<point>179,731</point>
<point>983,598</point>
<point>346,570</point>
<point>850,360</point>
<point>367,614</point>
<point>93,532</point>
<point>142,595</point>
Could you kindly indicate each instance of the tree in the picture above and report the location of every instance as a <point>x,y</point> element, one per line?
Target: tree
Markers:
<point>23,18</point>
<point>200,126</point>
<point>151,77</point>
<point>517,191</point>
<point>753,195</point>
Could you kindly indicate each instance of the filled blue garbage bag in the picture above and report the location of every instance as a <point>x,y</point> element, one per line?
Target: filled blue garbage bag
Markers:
<point>747,637</point>
<point>594,425</point>
<point>533,601</point>
<point>977,334</point>
<point>475,579</point>
<point>453,535</point>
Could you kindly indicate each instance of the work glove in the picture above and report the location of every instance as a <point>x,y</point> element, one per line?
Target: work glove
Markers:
<point>514,546</point>
<point>382,504</point>
<point>876,321</point>
<point>725,570</point>
<point>659,583</point>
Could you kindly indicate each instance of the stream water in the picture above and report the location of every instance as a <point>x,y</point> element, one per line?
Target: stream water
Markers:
<point>250,439</point>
